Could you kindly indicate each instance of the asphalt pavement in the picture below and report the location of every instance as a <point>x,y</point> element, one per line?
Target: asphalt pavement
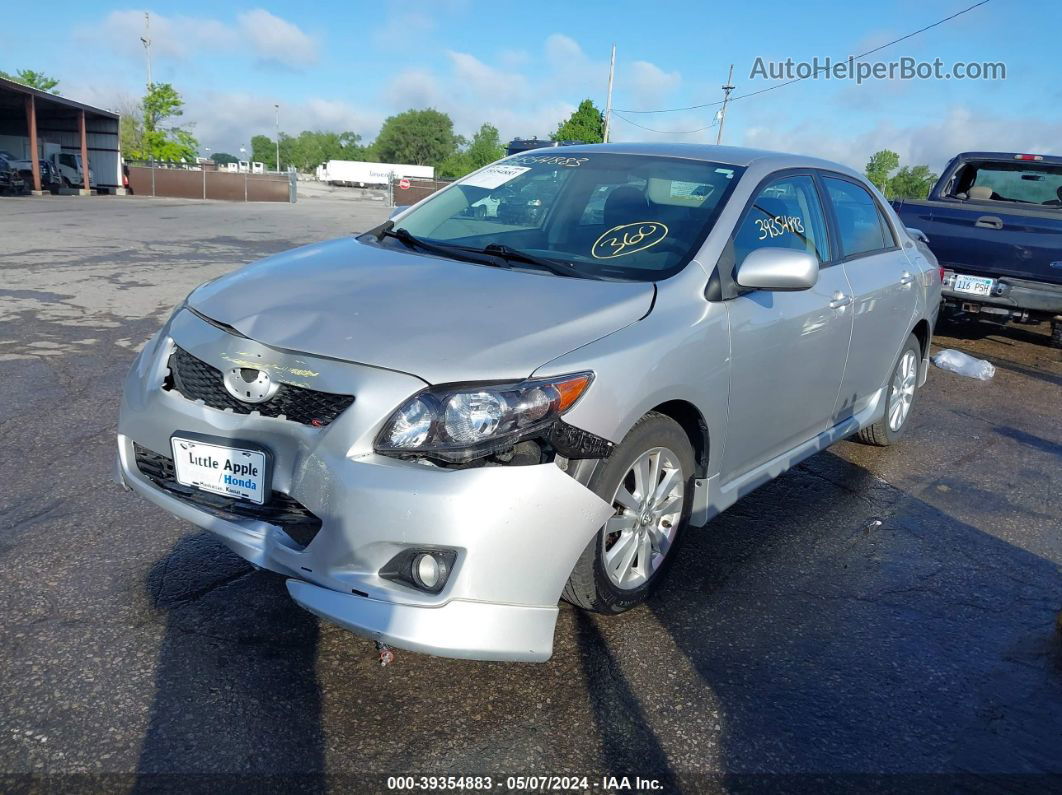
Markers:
<point>883,617</point>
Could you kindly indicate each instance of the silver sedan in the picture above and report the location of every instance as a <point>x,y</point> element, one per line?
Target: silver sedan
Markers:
<point>439,428</point>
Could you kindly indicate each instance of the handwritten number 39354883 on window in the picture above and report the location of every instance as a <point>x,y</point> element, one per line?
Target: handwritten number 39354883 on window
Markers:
<point>778,225</point>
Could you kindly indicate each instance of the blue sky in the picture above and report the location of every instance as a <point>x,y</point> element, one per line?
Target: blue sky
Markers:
<point>348,65</point>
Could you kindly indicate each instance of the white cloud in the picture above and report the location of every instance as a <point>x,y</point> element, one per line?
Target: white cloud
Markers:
<point>649,85</point>
<point>276,39</point>
<point>268,37</point>
<point>958,129</point>
<point>226,121</point>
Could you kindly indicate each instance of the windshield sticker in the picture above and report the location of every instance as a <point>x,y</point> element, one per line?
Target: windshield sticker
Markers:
<point>778,225</point>
<point>695,191</point>
<point>628,239</point>
<point>549,160</point>
<point>494,176</point>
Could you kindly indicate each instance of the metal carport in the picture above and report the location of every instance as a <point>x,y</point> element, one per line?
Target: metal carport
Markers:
<point>38,117</point>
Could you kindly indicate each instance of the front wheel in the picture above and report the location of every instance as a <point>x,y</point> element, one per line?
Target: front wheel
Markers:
<point>649,481</point>
<point>899,400</point>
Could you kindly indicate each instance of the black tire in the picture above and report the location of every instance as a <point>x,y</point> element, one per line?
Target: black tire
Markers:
<point>881,434</point>
<point>589,586</point>
<point>1056,333</point>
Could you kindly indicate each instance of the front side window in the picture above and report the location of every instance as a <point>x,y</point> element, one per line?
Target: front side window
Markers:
<point>637,217</point>
<point>784,214</point>
<point>861,227</point>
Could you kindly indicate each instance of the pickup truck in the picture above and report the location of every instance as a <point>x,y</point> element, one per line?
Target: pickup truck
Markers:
<point>994,221</point>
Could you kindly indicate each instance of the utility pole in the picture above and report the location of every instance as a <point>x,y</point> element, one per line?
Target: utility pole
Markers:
<point>146,41</point>
<point>277,107</point>
<point>608,101</point>
<point>726,98</point>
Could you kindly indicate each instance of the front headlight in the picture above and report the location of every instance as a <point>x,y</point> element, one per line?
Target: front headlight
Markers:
<point>462,423</point>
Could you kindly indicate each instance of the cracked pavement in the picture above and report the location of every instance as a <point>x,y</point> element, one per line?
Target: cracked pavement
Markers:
<point>871,612</point>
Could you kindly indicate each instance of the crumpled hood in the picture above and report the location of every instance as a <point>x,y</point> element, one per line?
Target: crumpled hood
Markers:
<point>436,318</point>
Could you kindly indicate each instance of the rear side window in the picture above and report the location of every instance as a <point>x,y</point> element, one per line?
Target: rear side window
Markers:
<point>785,214</point>
<point>861,226</point>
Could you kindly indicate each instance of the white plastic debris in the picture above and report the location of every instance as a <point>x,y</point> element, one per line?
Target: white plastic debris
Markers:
<point>962,364</point>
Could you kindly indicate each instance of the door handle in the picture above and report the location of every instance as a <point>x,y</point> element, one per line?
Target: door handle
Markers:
<point>906,278</point>
<point>840,299</point>
<point>989,222</point>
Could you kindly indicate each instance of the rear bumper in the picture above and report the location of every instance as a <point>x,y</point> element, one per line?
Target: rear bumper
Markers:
<point>1011,294</point>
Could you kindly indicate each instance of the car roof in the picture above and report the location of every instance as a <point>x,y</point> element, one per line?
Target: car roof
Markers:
<point>730,155</point>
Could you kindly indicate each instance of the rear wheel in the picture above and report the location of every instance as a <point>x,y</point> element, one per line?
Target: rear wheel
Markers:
<point>649,481</point>
<point>900,398</point>
<point>1056,333</point>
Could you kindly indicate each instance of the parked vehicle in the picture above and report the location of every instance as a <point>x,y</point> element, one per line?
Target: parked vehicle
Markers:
<point>518,145</point>
<point>994,220</point>
<point>60,170</point>
<point>68,164</point>
<point>359,174</point>
<point>50,180</point>
<point>10,180</point>
<point>438,428</point>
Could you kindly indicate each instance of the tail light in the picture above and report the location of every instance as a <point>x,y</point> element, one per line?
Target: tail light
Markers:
<point>941,271</point>
<point>1028,157</point>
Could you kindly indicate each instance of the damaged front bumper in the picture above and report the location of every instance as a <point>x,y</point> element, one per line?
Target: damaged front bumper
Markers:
<point>516,531</point>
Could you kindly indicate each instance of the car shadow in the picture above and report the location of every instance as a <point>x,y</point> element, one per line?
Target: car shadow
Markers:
<point>848,627</point>
<point>235,689</point>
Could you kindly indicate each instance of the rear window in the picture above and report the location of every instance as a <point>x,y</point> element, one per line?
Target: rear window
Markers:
<point>1025,182</point>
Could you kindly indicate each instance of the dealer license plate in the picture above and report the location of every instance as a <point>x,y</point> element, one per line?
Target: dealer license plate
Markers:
<point>229,471</point>
<point>974,285</point>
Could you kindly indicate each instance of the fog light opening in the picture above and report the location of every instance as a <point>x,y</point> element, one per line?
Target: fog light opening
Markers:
<point>429,571</point>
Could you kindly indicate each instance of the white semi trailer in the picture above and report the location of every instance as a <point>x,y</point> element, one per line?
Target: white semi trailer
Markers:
<point>360,174</point>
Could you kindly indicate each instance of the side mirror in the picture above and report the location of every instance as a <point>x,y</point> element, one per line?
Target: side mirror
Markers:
<point>778,269</point>
<point>396,210</point>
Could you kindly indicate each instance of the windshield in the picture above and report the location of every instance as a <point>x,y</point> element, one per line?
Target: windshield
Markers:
<point>635,217</point>
<point>1015,182</point>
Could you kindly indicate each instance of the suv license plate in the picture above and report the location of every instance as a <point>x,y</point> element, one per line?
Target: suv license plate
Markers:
<point>974,285</point>
<point>229,471</point>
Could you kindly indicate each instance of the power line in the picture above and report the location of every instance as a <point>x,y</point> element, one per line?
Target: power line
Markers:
<point>806,77</point>
<point>665,132</point>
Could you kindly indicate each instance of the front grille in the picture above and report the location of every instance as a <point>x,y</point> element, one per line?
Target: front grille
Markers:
<point>281,510</point>
<point>197,380</point>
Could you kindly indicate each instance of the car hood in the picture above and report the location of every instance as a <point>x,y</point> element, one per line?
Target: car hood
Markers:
<point>439,319</point>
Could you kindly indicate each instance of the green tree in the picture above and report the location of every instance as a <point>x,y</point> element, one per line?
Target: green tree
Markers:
<point>880,165</point>
<point>416,137</point>
<point>224,157</point>
<point>586,124</point>
<point>160,138</point>
<point>912,182</point>
<point>484,148</point>
<point>263,150</point>
<point>37,80</point>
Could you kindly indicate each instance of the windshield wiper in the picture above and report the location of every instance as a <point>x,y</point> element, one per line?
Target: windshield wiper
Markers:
<point>410,241</point>
<point>514,255</point>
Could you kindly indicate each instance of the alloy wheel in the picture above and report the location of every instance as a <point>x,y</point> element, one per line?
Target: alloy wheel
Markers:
<point>648,503</point>
<point>903,389</point>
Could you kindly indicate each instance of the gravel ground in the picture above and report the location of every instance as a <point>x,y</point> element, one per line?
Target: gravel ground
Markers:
<point>871,612</point>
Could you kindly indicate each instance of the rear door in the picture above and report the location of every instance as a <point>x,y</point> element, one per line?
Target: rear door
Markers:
<point>883,290</point>
<point>788,349</point>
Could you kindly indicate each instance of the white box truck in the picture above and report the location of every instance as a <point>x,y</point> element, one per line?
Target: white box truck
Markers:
<point>360,174</point>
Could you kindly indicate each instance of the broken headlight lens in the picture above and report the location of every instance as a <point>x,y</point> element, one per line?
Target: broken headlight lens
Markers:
<point>462,423</point>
